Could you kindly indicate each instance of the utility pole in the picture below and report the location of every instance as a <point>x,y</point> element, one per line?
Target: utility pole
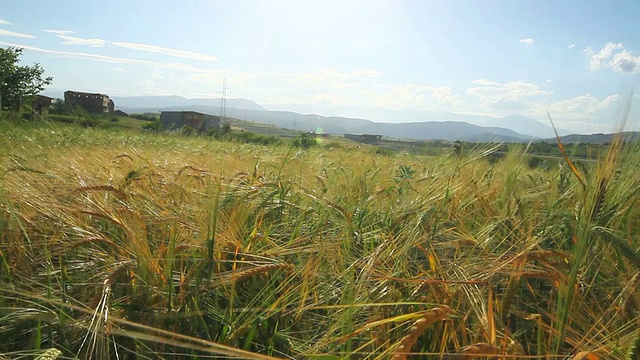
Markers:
<point>223,100</point>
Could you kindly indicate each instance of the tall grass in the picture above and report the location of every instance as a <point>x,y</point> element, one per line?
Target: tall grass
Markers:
<point>157,246</point>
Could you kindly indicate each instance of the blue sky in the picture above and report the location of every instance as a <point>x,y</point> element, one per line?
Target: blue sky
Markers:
<point>579,60</point>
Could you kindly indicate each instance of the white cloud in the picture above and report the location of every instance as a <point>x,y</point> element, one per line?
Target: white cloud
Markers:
<point>625,62</point>
<point>403,96</point>
<point>71,40</point>
<point>407,96</point>
<point>528,41</point>
<point>15,34</point>
<point>445,96</point>
<point>317,80</point>
<point>328,100</point>
<point>165,51</point>
<point>571,46</point>
<point>59,32</point>
<point>516,95</point>
<point>120,70</point>
<point>328,87</point>
<point>598,60</point>
<point>614,56</point>
<point>581,106</point>
<point>367,73</point>
<point>80,55</point>
<point>4,22</point>
<point>484,82</point>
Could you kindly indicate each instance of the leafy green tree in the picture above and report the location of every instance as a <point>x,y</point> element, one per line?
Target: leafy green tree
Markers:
<point>60,107</point>
<point>19,85</point>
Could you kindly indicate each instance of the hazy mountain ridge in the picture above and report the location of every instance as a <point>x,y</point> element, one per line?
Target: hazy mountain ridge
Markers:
<point>435,125</point>
<point>161,102</point>
<point>599,138</point>
<point>515,122</point>
<point>429,130</point>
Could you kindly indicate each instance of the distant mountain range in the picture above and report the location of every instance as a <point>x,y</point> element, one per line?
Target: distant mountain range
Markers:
<point>517,123</point>
<point>597,138</point>
<point>162,102</point>
<point>420,125</point>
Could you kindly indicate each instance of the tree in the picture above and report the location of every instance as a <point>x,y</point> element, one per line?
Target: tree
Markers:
<point>59,107</point>
<point>19,85</point>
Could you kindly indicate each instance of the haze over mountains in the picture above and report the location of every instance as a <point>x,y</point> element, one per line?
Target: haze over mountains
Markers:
<point>407,124</point>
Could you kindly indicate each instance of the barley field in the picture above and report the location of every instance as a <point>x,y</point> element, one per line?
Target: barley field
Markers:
<point>121,244</point>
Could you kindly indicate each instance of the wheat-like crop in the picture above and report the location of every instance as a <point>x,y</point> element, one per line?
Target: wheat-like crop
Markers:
<point>417,328</point>
<point>49,354</point>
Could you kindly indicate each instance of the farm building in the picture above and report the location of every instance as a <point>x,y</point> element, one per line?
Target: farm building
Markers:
<point>365,138</point>
<point>42,102</point>
<point>172,120</point>
<point>119,113</point>
<point>92,102</point>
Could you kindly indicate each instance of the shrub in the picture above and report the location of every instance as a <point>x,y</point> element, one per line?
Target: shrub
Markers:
<point>154,126</point>
<point>304,141</point>
<point>187,130</point>
<point>384,151</point>
<point>225,129</point>
<point>534,162</point>
<point>221,132</point>
<point>253,138</point>
<point>145,117</point>
<point>88,121</point>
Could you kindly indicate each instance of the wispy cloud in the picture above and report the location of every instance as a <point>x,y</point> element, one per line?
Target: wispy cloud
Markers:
<point>528,41</point>
<point>165,51</point>
<point>78,41</point>
<point>408,96</point>
<point>615,57</point>
<point>4,22</point>
<point>402,96</point>
<point>581,106</point>
<point>322,87</point>
<point>484,82</point>
<point>79,55</point>
<point>571,46</point>
<point>516,95</point>
<point>72,40</point>
<point>15,34</point>
<point>59,32</point>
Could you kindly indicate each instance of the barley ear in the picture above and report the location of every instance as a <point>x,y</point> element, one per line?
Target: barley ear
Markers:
<point>418,327</point>
<point>476,350</point>
<point>49,354</point>
<point>634,350</point>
